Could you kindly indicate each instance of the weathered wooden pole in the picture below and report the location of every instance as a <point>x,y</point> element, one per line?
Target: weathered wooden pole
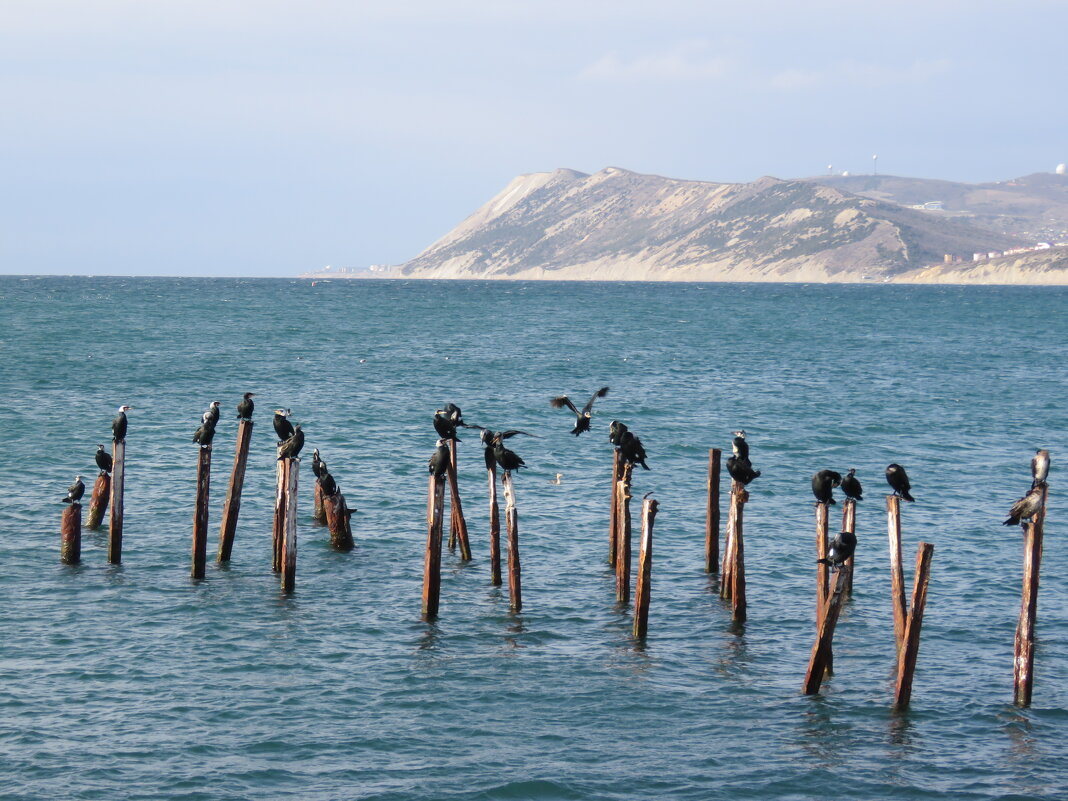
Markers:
<point>823,584</point>
<point>495,527</point>
<point>118,481</point>
<point>738,602</point>
<point>906,659</point>
<point>289,530</point>
<point>511,519</point>
<point>279,515</point>
<point>232,504</point>
<point>726,581</point>
<point>849,523</point>
<point>338,520</point>
<point>200,512</point>
<point>435,506</point>
<point>318,509</point>
<point>1024,650</point>
<point>897,577</point>
<point>457,523</point>
<point>712,513</point>
<point>98,503</point>
<point>613,514</point>
<point>645,570</point>
<point>623,548</point>
<point>70,535</point>
<point>821,650</point>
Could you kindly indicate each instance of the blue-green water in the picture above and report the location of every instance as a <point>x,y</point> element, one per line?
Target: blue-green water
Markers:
<point>135,682</point>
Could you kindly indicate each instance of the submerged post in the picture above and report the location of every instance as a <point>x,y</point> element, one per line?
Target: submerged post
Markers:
<point>200,512</point>
<point>897,578</point>
<point>279,514</point>
<point>645,570</point>
<point>623,534</point>
<point>70,535</point>
<point>821,650</point>
<point>849,523</point>
<point>432,560</point>
<point>118,482</point>
<point>289,529</point>
<point>338,520</point>
<point>495,527</point>
<point>738,602</point>
<point>613,513</point>
<point>511,517</point>
<point>712,513</point>
<point>98,503</point>
<point>232,504</point>
<point>906,660</point>
<point>456,511</point>
<point>1024,648</point>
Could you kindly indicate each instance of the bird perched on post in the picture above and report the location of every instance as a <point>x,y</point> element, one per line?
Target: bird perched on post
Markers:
<point>212,413</point>
<point>318,465</point>
<point>75,491</point>
<point>439,460</point>
<point>508,460</point>
<point>823,484</point>
<point>841,548</point>
<point>118,425</point>
<point>898,480</point>
<point>205,433</point>
<point>630,448</point>
<point>741,470</point>
<point>282,427</point>
<point>291,447</point>
<point>103,459</point>
<point>582,418</point>
<point>616,430</point>
<point>327,482</point>
<point>446,421</point>
<point>739,445</point>
<point>851,485</point>
<point>245,406</point>
<point>1026,507</point>
<point>490,439</point>
<point>1039,468</point>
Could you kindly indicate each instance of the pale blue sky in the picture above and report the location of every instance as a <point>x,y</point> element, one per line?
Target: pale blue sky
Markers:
<point>269,138</point>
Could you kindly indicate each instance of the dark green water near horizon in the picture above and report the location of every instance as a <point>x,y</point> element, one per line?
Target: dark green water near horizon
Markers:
<point>136,682</point>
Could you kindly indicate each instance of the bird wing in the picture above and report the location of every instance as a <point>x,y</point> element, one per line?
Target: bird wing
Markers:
<point>589,404</point>
<point>513,432</point>
<point>562,401</point>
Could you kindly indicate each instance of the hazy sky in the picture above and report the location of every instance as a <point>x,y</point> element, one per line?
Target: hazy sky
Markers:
<point>270,138</point>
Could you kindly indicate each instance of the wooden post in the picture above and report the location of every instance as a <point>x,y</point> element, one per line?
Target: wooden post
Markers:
<point>823,584</point>
<point>432,562</point>
<point>623,534</point>
<point>70,535</point>
<point>318,509</point>
<point>645,570</point>
<point>726,581</point>
<point>821,650</point>
<point>738,602</point>
<point>98,503</point>
<point>511,518</point>
<point>495,528</point>
<point>457,524</point>
<point>232,504</point>
<point>712,513</point>
<point>118,482</point>
<point>906,660</point>
<point>613,513</point>
<point>200,512</point>
<point>337,519</point>
<point>897,578</point>
<point>279,516</point>
<point>1024,650</point>
<point>289,530</point>
<point>849,523</point>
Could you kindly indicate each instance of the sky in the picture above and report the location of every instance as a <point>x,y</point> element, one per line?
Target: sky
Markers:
<point>213,137</point>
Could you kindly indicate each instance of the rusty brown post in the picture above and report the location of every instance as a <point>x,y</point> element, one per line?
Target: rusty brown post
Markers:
<point>456,511</point>
<point>511,517</point>
<point>70,535</point>
<point>338,521</point>
<point>98,503</point>
<point>118,486</point>
<point>906,661</point>
<point>623,546</point>
<point>279,515</point>
<point>821,650</point>
<point>823,584</point>
<point>495,528</point>
<point>432,561</point>
<point>738,602</point>
<point>318,509</point>
<point>200,512</point>
<point>712,513</point>
<point>849,523</point>
<point>726,583</point>
<point>1024,648</point>
<point>897,577</point>
<point>613,513</point>
<point>232,504</point>
<point>289,529</point>
<point>645,570</point>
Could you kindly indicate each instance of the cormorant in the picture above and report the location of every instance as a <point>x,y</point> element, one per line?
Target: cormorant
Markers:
<point>741,470</point>
<point>282,427</point>
<point>841,548</point>
<point>205,433</point>
<point>103,459</point>
<point>439,460</point>
<point>898,480</point>
<point>445,425</point>
<point>1026,507</point>
<point>823,484</point>
<point>118,425</point>
<point>245,407</point>
<point>630,448</point>
<point>582,418</point>
<point>739,445</point>
<point>326,481</point>
<point>318,465</point>
<point>1039,468</point>
<point>616,430</point>
<point>212,413</point>
<point>75,491</point>
<point>851,485</point>
<point>508,460</point>
<point>291,447</point>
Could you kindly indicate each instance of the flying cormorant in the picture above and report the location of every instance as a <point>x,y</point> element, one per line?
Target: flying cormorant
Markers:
<point>851,485</point>
<point>75,491</point>
<point>630,448</point>
<point>245,407</point>
<point>898,480</point>
<point>439,460</point>
<point>1026,507</point>
<point>616,430</point>
<point>118,425</point>
<point>318,465</point>
<point>291,447</point>
<point>103,459</point>
<point>739,445</point>
<point>1039,468</point>
<point>823,484</point>
<point>582,418</point>
<point>841,548</point>
<point>282,427</point>
<point>508,460</point>
<point>326,481</point>
<point>741,470</point>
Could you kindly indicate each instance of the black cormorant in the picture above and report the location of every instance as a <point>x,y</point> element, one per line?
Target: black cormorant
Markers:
<point>205,432</point>
<point>282,427</point>
<point>823,484</point>
<point>291,447</point>
<point>1039,468</point>
<point>1026,507</point>
<point>326,481</point>
<point>445,425</point>
<point>118,425</point>
<point>245,407</point>
<point>616,430</point>
<point>898,480</point>
<point>841,548</point>
<point>630,448</point>
<point>318,465</point>
<point>508,460</point>
<point>739,445</point>
<point>582,418</point>
<point>439,460</point>
<point>75,491</point>
<point>103,459</point>
<point>741,470</point>
<point>851,485</point>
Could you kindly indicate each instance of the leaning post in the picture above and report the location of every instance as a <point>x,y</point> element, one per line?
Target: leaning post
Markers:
<point>645,570</point>
<point>98,503</point>
<point>457,524</point>
<point>232,504</point>
<point>906,661</point>
<point>821,650</point>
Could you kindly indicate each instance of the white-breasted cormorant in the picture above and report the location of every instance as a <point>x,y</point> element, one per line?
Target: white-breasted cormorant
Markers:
<point>118,425</point>
<point>291,447</point>
<point>318,465</point>
<point>212,413</point>
<point>282,427</point>
<point>1026,507</point>
<point>75,491</point>
<point>616,430</point>
<point>630,448</point>
<point>898,480</point>
<point>739,445</point>
<point>439,460</point>
<point>582,418</point>
<point>741,470</point>
<point>851,485</point>
<point>103,459</point>
<point>823,484</point>
<point>841,548</point>
<point>245,406</point>
<point>1039,467</point>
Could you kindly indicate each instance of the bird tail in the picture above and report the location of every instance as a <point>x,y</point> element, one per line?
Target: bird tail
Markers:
<point>643,464</point>
<point>906,496</point>
<point>823,561</point>
<point>756,474</point>
<point>1012,521</point>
